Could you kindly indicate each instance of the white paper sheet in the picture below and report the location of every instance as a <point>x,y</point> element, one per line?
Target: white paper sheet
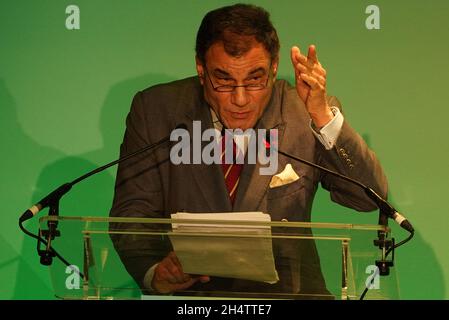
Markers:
<point>225,250</point>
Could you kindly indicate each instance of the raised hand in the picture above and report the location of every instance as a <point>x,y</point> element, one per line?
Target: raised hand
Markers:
<point>310,78</point>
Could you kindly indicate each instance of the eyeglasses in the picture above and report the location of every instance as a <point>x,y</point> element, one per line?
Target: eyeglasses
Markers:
<point>231,88</point>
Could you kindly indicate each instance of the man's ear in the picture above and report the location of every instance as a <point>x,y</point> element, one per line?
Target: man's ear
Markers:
<point>274,67</point>
<point>199,69</point>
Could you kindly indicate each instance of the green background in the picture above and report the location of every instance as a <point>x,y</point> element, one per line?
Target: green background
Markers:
<point>64,96</point>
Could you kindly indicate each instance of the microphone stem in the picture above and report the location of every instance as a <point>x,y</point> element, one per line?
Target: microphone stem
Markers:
<point>324,169</point>
<point>52,201</point>
<point>112,163</point>
<point>386,210</point>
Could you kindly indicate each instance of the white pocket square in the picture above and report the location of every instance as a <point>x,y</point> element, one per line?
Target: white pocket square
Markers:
<point>288,175</point>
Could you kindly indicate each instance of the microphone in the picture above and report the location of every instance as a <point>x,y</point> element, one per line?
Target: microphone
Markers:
<point>58,193</point>
<point>386,209</point>
<point>46,201</point>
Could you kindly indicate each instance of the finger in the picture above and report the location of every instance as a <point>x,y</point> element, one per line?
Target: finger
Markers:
<point>301,83</point>
<point>312,82</point>
<point>174,259</point>
<point>320,78</point>
<point>297,56</point>
<point>319,71</point>
<point>309,66</point>
<point>294,52</point>
<point>177,263</point>
<point>162,274</point>
<point>300,68</point>
<point>165,287</point>
<point>191,281</point>
<point>173,270</point>
<point>185,285</point>
<point>312,56</point>
<point>204,279</point>
<point>318,68</point>
<point>302,88</point>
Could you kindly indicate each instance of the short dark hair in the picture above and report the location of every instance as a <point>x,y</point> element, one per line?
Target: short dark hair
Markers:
<point>236,26</point>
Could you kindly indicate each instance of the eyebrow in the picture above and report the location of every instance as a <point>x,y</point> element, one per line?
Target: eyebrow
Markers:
<point>220,72</point>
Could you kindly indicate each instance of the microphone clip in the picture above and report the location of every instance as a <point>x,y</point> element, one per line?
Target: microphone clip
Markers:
<point>47,254</point>
<point>384,244</point>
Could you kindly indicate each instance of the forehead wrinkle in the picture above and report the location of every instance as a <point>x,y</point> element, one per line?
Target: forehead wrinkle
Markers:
<point>237,66</point>
<point>255,70</point>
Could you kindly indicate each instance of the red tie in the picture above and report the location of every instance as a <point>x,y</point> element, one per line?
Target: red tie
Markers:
<point>231,171</point>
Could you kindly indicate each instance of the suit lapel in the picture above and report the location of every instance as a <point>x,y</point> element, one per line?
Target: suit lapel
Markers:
<point>208,178</point>
<point>252,185</point>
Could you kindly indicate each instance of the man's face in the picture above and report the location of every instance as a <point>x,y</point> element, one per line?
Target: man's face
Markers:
<point>240,108</point>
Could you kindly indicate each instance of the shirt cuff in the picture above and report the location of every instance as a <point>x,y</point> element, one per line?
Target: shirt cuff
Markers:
<point>148,279</point>
<point>328,134</point>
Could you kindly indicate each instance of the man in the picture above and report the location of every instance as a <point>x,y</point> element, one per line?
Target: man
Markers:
<point>237,57</point>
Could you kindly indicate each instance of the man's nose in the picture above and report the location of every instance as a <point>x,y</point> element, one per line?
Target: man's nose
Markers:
<point>240,97</point>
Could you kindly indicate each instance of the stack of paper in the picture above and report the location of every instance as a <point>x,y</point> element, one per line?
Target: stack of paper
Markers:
<point>234,250</point>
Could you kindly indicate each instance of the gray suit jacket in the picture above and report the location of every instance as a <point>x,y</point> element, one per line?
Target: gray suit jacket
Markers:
<point>151,186</point>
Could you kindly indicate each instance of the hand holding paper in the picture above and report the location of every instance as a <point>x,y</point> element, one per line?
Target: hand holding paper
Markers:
<point>169,276</point>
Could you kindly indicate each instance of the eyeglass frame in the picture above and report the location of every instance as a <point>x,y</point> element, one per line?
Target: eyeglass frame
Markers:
<point>233,87</point>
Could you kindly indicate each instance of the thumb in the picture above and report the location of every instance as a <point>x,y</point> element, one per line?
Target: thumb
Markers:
<point>204,279</point>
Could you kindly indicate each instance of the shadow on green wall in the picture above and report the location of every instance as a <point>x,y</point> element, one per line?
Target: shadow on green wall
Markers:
<point>420,274</point>
<point>92,197</point>
<point>20,162</point>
